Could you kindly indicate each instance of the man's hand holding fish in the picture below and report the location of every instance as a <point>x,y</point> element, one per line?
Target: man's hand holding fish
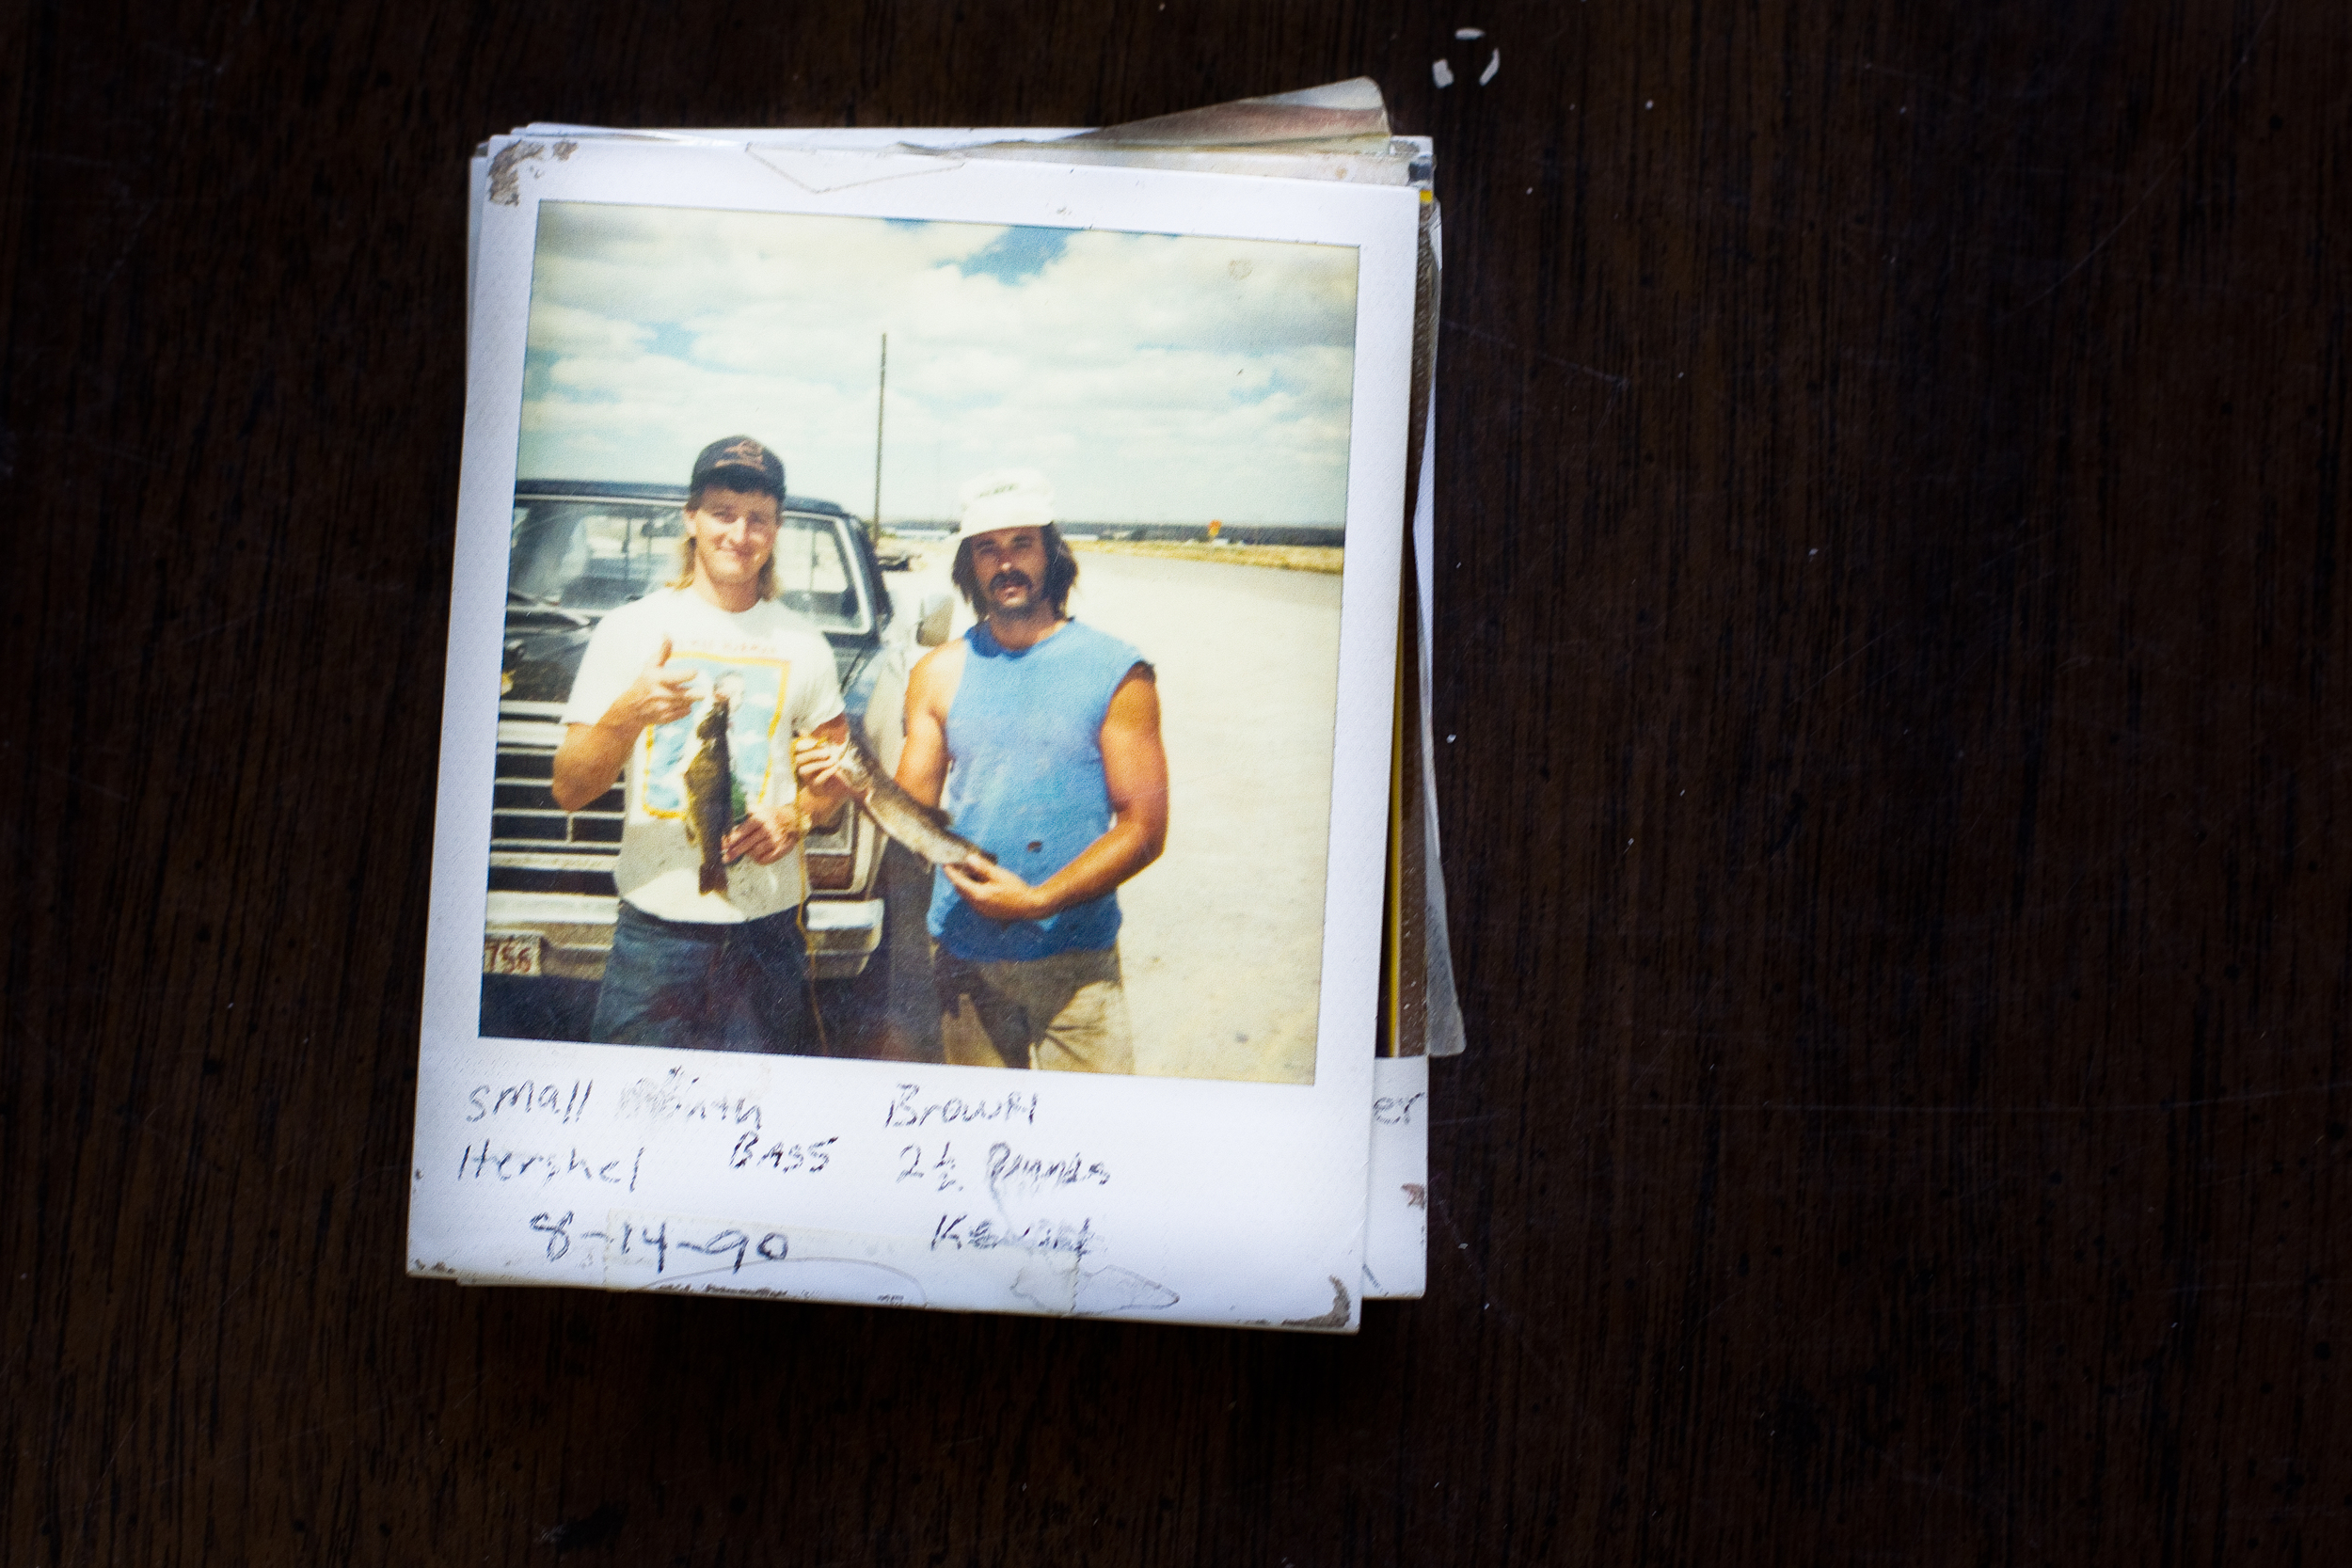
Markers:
<point>766,834</point>
<point>820,764</point>
<point>771,829</point>
<point>998,894</point>
<point>815,763</point>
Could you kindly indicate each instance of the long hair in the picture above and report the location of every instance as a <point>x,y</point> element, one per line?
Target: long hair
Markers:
<point>1061,573</point>
<point>685,578</point>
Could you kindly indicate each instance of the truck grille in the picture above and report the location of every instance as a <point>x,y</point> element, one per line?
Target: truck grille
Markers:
<point>524,816</point>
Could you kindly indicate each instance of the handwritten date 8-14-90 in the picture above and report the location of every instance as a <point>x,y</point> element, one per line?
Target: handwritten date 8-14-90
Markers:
<point>655,1243</point>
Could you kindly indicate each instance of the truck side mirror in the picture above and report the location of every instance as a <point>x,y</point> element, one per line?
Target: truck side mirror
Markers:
<point>939,612</point>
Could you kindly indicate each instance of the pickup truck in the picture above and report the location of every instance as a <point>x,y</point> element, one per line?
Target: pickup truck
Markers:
<point>578,550</point>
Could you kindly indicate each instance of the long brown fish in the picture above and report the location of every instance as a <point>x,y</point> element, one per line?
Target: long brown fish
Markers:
<point>710,795</point>
<point>922,828</point>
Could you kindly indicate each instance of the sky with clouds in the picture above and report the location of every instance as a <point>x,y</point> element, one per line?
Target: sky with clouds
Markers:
<point>1151,377</point>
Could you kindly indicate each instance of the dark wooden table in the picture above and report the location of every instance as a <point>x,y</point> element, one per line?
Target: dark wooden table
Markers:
<point>1894,760</point>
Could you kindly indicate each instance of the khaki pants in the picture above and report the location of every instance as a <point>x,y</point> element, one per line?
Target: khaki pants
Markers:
<point>1063,1013</point>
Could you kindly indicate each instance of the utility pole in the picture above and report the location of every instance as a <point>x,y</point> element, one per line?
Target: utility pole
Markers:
<point>882,387</point>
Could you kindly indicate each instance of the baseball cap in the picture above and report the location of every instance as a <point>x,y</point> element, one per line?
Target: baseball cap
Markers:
<point>1006,498</point>
<point>738,463</point>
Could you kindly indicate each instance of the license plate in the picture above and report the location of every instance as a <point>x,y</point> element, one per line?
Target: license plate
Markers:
<point>511,955</point>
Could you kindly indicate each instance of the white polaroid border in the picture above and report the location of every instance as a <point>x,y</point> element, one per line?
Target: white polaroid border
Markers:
<point>1396,1244</point>
<point>623,1167</point>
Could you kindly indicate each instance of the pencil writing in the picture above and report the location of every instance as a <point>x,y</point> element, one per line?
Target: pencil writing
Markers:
<point>566,1103</point>
<point>489,1163</point>
<point>961,1230</point>
<point>779,1157</point>
<point>634,1242</point>
<point>904,1111</point>
<point>1011,1171</point>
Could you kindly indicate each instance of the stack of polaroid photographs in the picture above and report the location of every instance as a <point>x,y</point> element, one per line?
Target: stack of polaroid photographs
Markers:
<point>935,805</point>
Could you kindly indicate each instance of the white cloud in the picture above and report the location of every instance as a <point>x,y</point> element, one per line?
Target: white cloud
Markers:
<point>560,329</point>
<point>1154,377</point>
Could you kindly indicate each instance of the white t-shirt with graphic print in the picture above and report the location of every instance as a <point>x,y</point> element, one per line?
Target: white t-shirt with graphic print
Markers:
<point>778,672</point>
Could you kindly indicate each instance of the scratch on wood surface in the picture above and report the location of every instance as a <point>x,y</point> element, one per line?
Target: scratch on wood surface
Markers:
<point>2163,175</point>
<point>2076,1108</point>
<point>1620,382</point>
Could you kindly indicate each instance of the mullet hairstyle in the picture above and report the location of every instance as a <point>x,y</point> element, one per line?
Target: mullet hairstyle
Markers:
<point>1062,572</point>
<point>685,578</point>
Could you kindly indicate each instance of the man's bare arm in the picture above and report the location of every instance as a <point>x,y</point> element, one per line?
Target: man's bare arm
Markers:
<point>930,688</point>
<point>1135,770</point>
<point>587,760</point>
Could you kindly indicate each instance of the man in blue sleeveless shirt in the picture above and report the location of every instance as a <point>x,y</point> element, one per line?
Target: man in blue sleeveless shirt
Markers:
<point>1041,739</point>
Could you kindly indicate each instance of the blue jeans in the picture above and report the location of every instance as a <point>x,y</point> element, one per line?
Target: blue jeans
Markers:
<point>692,985</point>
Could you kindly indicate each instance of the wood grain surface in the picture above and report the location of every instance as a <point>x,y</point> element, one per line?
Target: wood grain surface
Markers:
<point>1892,722</point>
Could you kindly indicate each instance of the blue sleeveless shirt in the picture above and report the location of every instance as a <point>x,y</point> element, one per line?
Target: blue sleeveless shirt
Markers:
<point>1025,783</point>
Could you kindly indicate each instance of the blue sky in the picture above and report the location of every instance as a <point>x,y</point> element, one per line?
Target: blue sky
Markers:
<point>1151,377</point>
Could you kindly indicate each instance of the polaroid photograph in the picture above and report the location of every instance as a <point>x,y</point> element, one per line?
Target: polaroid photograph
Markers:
<point>921,659</point>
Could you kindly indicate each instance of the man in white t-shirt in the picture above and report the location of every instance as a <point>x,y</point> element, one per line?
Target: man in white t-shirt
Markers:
<point>700,692</point>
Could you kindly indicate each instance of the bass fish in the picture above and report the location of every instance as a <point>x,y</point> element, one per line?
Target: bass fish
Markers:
<point>922,828</point>
<point>711,794</point>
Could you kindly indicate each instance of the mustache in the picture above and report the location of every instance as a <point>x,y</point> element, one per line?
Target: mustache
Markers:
<point>1010,577</point>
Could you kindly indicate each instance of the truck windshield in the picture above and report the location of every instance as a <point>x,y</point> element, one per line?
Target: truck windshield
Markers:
<point>593,555</point>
